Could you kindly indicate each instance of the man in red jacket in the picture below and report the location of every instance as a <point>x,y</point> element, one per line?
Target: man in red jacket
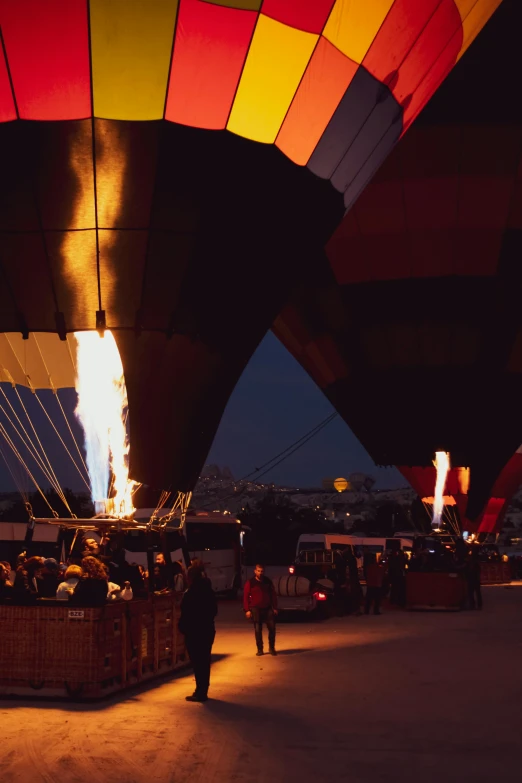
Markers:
<point>260,604</point>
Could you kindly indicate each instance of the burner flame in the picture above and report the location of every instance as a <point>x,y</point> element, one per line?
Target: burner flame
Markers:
<point>102,412</point>
<point>442,464</point>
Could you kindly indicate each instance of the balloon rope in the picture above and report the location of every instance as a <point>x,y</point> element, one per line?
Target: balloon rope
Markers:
<point>42,357</point>
<point>58,487</point>
<point>63,443</point>
<point>72,433</point>
<point>27,442</point>
<point>20,488</point>
<point>161,502</point>
<point>304,439</point>
<point>283,454</point>
<point>6,435</point>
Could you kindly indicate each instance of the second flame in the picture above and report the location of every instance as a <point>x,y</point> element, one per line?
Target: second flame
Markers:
<point>442,464</point>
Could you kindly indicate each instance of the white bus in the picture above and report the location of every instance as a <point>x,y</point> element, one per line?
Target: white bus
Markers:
<point>334,541</point>
<point>12,537</point>
<point>213,537</point>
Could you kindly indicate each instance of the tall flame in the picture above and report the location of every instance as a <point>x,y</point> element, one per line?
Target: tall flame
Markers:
<point>442,464</point>
<point>101,410</point>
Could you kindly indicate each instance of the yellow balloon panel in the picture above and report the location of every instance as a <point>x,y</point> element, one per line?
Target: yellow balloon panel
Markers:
<point>474,15</point>
<point>353,24</point>
<point>131,46</point>
<point>276,61</point>
<point>41,362</point>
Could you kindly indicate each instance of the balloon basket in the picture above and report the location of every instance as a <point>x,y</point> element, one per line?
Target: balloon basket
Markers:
<point>435,591</point>
<point>53,649</point>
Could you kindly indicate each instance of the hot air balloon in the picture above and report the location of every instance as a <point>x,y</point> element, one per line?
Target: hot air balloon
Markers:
<point>170,168</point>
<point>492,514</point>
<point>414,330</point>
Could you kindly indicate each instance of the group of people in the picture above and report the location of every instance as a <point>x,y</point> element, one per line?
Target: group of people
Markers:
<point>91,581</point>
<point>381,575</point>
<point>35,577</point>
<point>91,576</point>
<point>387,576</point>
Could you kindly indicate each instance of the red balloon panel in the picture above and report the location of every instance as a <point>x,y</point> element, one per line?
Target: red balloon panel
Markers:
<point>48,45</point>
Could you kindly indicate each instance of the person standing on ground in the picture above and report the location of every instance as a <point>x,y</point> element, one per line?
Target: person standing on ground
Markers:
<point>356,593</point>
<point>260,605</point>
<point>473,579</point>
<point>196,623</point>
<point>397,577</point>
<point>375,574</point>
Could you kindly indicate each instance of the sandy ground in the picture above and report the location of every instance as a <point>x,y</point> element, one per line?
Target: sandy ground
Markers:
<point>405,696</point>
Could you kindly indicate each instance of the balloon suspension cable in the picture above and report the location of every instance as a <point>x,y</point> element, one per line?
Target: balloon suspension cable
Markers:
<point>29,509</point>
<point>55,483</point>
<point>163,499</point>
<point>105,523</point>
<point>15,451</point>
<point>64,414</point>
<point>24,495</point>
<point>180,507</point>
<point>36,452</point>
<point>26,440</point>
<point>55,393</point>
<point>81,474</point>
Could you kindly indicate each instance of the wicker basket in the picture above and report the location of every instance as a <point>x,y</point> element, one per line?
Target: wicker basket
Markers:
<point>87,652</point>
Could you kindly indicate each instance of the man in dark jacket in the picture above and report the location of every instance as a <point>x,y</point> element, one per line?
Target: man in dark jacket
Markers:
<point>375,575</point>
<point>49,578</point>
<point>260,605</point>
<point>473,579</point>
<point>196,623</point>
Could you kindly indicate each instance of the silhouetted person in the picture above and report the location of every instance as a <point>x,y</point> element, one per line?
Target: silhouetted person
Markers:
<point>260,605</point>
<point>356,593</point>
<point>161,573</point>
<point>93,586</point>
<point>50,578</point>
<point>196,623</point>
<point>27,579</point>
<point>375,574</point>
<point>397,576</point>
<point>473,579</point>
<point>6,588</point>
<point>461,552</point>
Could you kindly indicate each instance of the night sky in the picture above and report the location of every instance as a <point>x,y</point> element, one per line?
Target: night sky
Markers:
<point>274,404</point>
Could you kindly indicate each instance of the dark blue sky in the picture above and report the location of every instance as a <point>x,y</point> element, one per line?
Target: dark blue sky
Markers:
<point>274,404</point>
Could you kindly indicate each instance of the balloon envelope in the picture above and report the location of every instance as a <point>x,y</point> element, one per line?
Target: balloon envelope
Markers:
<point>413,329</point>
<point>135,193</point>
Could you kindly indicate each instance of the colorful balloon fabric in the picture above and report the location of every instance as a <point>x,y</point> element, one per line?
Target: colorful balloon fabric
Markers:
<point>332,83</point>
<point>167,170</point>
<point>413,326</point>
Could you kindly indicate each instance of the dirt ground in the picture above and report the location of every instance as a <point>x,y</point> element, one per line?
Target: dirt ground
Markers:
<point>419,697</point>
